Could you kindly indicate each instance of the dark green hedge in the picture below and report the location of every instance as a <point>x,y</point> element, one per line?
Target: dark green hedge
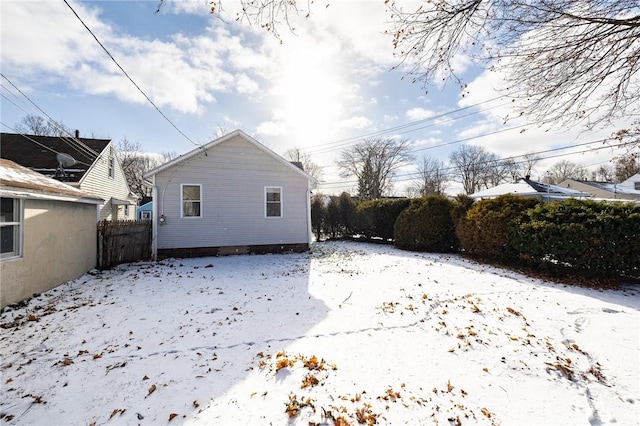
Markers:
<point>427,225</point>
<point>598,239</point>
<point>485,232</point>
<point>375,218</point>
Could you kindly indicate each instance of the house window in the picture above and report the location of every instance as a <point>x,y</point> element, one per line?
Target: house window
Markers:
<point>145,215</point>
<point>636,185</point>
<point>112,167</point>
<point>273,201</point>
<point>10,224</point>
<point>126,210</point>
<point>191,200</point>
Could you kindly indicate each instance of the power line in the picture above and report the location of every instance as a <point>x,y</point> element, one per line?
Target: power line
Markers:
<point>413,175</point>
<point>129,77</point>
<point>37,143</point>
<point>79,145</point>
<point>335,145</point>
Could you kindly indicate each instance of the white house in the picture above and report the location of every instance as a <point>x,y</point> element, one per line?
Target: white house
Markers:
<point>232,195</point>
<point>526,187</point>
<point>88,164</point>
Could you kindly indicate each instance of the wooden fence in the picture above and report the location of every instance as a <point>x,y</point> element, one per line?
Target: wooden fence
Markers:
<point>123,241</point>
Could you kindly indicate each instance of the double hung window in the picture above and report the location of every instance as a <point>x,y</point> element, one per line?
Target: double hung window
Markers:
<point>10,228</point>
<point>191,200</point>
<point>273,201</point>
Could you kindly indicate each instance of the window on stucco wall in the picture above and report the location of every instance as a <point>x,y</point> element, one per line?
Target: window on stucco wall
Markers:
<point>10,228</point>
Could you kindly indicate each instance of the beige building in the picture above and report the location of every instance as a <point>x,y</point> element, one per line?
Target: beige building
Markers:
<point>627,190</point>
<point>48,233</point>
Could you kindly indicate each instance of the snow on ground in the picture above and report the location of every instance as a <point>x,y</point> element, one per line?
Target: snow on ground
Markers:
<point>351,333</point>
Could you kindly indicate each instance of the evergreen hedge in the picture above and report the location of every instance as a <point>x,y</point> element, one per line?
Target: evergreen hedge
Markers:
<point>596,239</point>
<point>427,225</point>
<point>486,230</point>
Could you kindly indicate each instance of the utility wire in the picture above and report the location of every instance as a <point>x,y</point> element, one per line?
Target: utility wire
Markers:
<point>129,77</point>
<point>332,146</point>
<point>38,143</point>
<point>413,175</point>
<point>75,142</point>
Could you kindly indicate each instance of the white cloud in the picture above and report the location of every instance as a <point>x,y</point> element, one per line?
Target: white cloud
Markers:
<point>356,123</point>
<point>418,113</point>
<point>183,73</point>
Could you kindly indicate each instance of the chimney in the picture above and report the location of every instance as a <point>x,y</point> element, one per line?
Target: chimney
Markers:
<point>77,133</point>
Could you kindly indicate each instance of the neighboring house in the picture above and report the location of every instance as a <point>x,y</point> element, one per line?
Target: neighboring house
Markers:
<point>528,188</point>
<point>633,182</point>
<point>145,210</point>
<point>48,232</point>
<point>604,190</point>
<point>232,195</point>
<point>90,165</point>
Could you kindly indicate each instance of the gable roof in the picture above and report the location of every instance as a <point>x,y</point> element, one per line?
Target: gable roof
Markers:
<point>38,153</point>
<point>613,188</point>
<point>225,138</point>
<point>631,181</point>
<point>528,187</point>
<point>19,181</point>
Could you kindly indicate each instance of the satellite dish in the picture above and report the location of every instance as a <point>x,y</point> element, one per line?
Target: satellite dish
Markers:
<point>65,160</point>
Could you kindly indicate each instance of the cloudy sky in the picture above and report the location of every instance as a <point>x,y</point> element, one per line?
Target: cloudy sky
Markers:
<point>320,89</point>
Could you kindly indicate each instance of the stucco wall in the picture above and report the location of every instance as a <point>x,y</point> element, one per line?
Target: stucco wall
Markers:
<point>59,244</point>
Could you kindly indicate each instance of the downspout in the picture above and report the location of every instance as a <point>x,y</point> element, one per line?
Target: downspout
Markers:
<point>154,219</point>
<point>309,229</point>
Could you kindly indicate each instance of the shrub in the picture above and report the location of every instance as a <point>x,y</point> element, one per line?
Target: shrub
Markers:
<point>376,218</point>
<point>333,227</point>
<point>317,215</point>
<point>427,225</point>
<point>347,209</point>
<point>462,203</point>
<point>587,237</point>
<point>486,229</point>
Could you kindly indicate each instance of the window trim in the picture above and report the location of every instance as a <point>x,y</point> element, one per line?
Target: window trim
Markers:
<point>111,166</point>
<point>182,215</point>
<point>266,191</point>
<point>17,252</point>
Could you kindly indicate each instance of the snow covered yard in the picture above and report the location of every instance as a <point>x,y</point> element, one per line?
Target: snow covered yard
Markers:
<point>351,333</point>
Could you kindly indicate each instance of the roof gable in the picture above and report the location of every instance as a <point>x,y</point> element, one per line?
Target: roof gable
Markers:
<point>38,153</point>
<point>16,178</point>
<point>211,145</point>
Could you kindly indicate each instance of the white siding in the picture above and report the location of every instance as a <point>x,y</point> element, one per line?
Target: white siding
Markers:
<point>233,176</point>
<point>97,182</point>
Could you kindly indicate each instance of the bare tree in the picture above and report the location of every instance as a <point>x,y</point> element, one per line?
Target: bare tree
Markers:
<point>566,62</point>
<point>135,163</point>
<point>476,168</point>
<point>627,166</point>
<point>373,162</point>
<point>522,168</point>
<point>168,156</point>
<point>432,177</point>
<point>604,173</point>
<point>309,166</point>
<point>39,126</point>
<point>565,169</point>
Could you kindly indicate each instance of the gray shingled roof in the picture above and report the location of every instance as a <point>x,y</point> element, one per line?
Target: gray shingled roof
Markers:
<point>38,153</point>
